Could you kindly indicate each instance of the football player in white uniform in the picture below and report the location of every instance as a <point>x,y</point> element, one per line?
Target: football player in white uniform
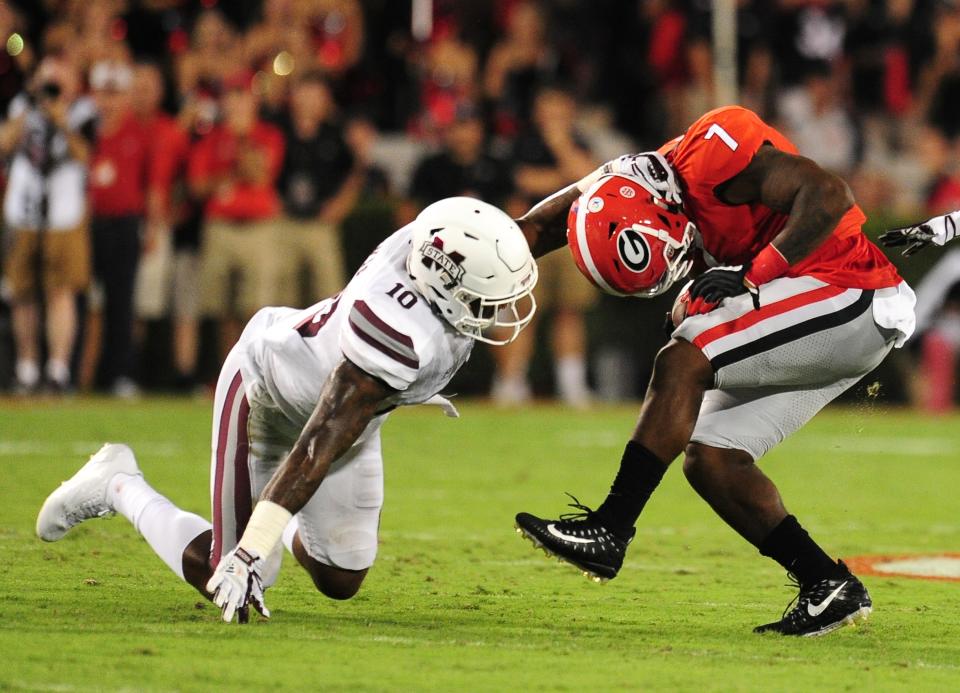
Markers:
<point>301,399</point>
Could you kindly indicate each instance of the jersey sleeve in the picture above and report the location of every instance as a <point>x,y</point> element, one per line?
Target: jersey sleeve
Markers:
<point>379,340</point>
<point>718,146</point>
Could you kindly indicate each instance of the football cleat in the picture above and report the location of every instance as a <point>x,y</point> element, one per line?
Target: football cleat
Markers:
<point>84,495</point>
<point>578,539</point>
<point>823,607</point>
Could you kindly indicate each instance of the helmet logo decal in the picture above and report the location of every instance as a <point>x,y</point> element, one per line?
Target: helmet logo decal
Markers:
<point>627,192</point>
<point>447,264</point>
<point>633,250</point>
<point>595,204</point>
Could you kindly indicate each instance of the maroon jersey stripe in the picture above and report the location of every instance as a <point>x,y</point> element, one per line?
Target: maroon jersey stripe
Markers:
<point>364,310</point>
<point>383,348</point>
<point>312,324</point>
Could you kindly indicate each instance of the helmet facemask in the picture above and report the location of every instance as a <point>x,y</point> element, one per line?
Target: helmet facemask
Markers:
<point>676,255</point>
<point>485,317</point>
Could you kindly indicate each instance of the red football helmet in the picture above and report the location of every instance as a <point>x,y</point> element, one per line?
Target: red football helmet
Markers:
<point>625,241</point>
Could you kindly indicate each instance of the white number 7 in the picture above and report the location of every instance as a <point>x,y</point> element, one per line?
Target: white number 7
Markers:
<point>723,135</point>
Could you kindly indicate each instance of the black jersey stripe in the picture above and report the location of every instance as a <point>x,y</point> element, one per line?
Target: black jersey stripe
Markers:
<point>795,332</point>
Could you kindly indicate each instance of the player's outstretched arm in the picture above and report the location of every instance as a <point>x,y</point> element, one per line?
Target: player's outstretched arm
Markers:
<point>545,225</point>
<point>938,230</point>
<point>348,402</point>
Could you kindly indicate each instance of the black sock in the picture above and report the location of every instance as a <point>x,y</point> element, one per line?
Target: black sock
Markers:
<point>790,546</point>
<point>640,473</point>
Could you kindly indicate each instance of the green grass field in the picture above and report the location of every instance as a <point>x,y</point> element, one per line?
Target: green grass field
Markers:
<point>456,601</point>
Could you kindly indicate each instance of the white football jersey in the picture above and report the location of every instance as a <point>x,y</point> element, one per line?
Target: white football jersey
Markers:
<point>379,322</point>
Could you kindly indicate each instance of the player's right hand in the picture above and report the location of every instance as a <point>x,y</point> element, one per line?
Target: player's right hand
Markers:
<point>653,172</point>
<point>709,289</point>
<point>939,231</point>
<point>237,583</point>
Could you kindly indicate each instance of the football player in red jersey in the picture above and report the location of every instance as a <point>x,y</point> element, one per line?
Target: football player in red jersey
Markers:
<point>794,306</point>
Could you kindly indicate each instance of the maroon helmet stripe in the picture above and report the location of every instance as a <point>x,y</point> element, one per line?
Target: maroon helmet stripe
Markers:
<point>364,310</point>
<point>383,348</point>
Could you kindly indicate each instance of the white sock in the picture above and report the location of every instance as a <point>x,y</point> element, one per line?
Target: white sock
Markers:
<point>510,391</point>
<point>571,373</point>
<point>167,528</point>
<point>58,371</point>
<point>28,373</point>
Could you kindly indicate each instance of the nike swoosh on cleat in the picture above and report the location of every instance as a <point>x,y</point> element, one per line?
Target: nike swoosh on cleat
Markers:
<point>566,537</point>
<point>819,608</point>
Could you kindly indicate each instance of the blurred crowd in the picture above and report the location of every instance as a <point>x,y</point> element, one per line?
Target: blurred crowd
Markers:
<point>171,165</point>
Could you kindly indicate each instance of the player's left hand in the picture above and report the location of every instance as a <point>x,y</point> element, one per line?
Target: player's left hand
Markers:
<point>939,231</point>
<point>237,583</point>
<point>709,289</point>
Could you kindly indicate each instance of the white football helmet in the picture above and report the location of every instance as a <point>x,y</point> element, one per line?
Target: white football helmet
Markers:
<point>472,264</point>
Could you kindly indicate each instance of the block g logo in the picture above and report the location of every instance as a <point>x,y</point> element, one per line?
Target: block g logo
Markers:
<point>633,250</point>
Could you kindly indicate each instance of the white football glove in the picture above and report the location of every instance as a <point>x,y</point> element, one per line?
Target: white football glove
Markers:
<point>651,170</point>
<point>237,583</point>
<point>939,231</point>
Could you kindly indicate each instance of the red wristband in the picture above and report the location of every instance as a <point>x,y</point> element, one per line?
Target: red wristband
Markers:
<point>767,266</point>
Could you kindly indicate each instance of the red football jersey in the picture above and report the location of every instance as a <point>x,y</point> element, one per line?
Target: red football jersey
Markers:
<point>717,147</point>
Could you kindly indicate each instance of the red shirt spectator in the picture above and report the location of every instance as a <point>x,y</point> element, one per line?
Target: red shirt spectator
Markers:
<point>218,161</point>
<point>118,170</point>
<point>168,158</point>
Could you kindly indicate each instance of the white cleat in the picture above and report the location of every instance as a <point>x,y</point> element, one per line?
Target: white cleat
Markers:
<point>84,495</point>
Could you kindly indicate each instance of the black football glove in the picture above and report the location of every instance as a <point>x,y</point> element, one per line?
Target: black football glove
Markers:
<point>719,283</point>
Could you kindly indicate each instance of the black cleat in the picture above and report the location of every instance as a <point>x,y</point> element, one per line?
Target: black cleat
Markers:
<point>579,539</point>
<point>823,607</point>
